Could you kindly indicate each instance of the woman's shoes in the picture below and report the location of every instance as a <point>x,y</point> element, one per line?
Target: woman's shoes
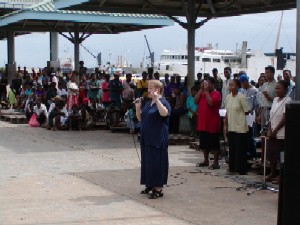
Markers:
<point>155,194</point>
<point>146,191</point>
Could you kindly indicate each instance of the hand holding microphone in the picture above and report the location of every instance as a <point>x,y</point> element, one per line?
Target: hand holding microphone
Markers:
<point>138,102</point>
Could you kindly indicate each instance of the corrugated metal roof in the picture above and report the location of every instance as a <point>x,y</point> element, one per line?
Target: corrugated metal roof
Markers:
<point>48,6</point>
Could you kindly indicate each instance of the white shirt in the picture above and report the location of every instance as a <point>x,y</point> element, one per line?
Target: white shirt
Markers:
<point>61,92</point>
<point>72,85</point>
<point>276,114</point>
<point>40,110</point>
<point>55,80</point>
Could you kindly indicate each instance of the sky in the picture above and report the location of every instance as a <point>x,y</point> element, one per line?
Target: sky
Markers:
<point>259,30</point>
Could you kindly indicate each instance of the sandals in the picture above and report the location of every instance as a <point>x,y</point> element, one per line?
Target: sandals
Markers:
<point>155,194</point>
<point>146,190</point>
<point>214,167</point>
<point>202,164</point>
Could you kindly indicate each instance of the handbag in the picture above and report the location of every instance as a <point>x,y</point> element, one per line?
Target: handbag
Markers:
<point>33,121</point>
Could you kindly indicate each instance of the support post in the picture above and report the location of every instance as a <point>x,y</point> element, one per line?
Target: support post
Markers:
<point>191,27</point>
<point>11,65</point>
<point>76,47</point>
<point>297,79</point>
<point>54,61</point>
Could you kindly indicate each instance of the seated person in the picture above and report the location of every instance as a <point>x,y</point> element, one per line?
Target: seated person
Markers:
<point>54,117</point>
<point>87,120</point>
<point>75,118</point>
<point>61,91</point>
<point>41,112</point>
<point>29,109</point>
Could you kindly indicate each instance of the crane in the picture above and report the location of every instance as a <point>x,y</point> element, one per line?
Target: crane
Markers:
<point>151,54</point>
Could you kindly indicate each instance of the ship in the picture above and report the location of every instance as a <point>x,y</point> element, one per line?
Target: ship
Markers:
<point>253,62</point>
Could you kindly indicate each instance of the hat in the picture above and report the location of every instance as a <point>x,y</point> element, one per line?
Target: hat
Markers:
<point>214,69</point>
<point>56,98</point>
<point>243,78</point>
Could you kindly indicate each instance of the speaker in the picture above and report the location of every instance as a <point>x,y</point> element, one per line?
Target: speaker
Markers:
<point>289,186</point>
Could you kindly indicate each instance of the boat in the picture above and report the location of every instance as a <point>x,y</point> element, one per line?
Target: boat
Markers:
<point>206,58</point>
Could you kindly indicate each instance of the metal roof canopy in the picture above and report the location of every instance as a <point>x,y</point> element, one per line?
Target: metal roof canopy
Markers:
<point>207,8</point>
<point>8,6</point>
<point>44,17</point>
<point>191,9</point>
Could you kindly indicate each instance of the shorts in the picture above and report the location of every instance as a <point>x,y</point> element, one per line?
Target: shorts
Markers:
<point>274,147</point>
<point>209,141</point>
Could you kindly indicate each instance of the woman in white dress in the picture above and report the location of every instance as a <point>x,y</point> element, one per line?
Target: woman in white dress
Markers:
<point>73,92</point>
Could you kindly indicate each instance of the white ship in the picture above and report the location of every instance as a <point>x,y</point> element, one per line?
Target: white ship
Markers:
<point>207,58</point>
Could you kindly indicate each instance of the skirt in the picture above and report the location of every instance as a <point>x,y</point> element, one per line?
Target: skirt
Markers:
<point>209,141</point>
<point>238,152</point>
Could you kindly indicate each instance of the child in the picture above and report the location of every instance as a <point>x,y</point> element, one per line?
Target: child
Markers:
<point>192,110</point>
<point>75,118</point>
<point>11,97</point>
<point>87,120</point>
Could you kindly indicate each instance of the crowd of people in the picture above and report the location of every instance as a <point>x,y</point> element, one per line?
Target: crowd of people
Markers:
<point>252,110</point>
<point>55,100</point>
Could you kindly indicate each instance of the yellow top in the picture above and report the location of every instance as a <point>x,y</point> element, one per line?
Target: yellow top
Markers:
<point>236,107</point>
<point>143,84</point>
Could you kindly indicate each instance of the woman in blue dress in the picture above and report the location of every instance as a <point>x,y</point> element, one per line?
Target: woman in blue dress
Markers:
<point>154,116</point>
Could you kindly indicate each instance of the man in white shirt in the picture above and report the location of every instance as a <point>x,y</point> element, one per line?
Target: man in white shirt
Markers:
<point>225,87</point>
<point>41,112</point>
<point>287,76</point>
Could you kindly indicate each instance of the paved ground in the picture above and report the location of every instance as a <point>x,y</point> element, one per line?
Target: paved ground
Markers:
<point>92,177</point>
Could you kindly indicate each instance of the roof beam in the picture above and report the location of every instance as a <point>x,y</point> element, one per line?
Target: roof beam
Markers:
<point>101,3</point>
<point>211,7</point>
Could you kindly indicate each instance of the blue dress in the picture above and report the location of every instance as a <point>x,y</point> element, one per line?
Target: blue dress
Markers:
<point>154,145</point>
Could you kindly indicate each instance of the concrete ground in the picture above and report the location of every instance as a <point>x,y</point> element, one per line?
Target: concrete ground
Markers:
<point>92,177</point>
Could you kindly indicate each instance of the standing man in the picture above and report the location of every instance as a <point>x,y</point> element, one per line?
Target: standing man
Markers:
<point>251,95</point>
<point>115,95</point>
<point>268,94</point>
<point>225,87</point>
<point>209,122</point>
<point>142,86</point>
<point>287,76</point>
<point>219,81</point>
<point>128,93</point>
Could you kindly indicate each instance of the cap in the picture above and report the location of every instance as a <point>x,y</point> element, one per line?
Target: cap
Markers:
<point>214,69</point>
<point>243,78</point>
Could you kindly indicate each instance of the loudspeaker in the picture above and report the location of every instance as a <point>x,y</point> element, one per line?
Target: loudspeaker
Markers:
<point>289,187</point>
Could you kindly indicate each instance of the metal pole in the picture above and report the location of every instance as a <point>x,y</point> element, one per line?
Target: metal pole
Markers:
<point>10,47</point>
<point>76,47</point>
<point>191,20</point>
<point>297,79</point>
<point>53,46</point>
<point>191,58</point>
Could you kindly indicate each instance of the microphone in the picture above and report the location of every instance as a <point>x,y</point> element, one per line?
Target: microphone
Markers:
<point>138,100</point>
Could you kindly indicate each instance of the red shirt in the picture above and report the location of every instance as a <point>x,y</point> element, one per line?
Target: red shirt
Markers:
<point>105,94</point>
<point>208,119</point>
